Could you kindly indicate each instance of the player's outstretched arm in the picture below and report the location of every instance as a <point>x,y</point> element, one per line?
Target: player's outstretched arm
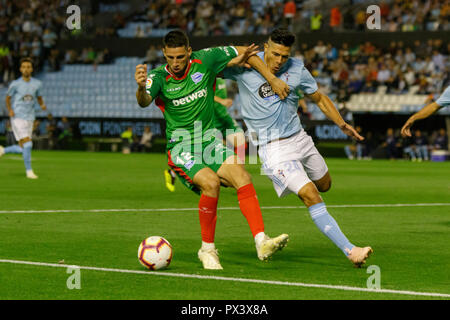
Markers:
<point>142,97</point>
<point>225,102</point>
<point>278,85</point>
<point>41,103</point>
<point>328,108</point>
<point>425,112</point>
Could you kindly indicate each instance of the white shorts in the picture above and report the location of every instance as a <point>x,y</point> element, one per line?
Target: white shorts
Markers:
<point>22,128</point>
<point>292,163</point>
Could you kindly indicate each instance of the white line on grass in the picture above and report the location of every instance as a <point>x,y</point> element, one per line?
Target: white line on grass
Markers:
<point>196,276</point>
<point>388,205</point>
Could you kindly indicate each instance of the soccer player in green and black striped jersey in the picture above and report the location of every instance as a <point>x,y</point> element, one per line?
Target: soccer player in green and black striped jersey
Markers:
<point>184,90</point>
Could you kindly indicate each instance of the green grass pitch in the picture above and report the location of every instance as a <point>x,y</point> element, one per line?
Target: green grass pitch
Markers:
<point>411,243</point>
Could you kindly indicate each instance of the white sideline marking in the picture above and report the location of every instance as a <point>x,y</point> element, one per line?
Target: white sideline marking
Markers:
<point>391,205</point>
<point>195,276</point>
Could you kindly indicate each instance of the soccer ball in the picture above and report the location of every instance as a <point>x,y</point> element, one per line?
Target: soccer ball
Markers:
<point>155,253</point>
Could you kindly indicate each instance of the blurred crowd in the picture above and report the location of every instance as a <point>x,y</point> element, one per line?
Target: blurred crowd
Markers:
<point>221,17</point>
<point>347,70</point>
<point>32,28</point>
<point>393,146</point>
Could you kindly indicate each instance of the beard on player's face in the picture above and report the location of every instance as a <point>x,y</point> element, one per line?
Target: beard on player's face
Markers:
<point>26,69</point>
<point>276,55</point>
<point>177,59</point>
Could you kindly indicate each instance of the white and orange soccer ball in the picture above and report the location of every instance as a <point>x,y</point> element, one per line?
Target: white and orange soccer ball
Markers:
<point>155,253</point>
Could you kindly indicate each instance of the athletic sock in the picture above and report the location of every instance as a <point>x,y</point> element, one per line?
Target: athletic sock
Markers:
<point>240,151</point>
<point>208,217</point>
<point>248,202</point>
<point>329,227</point>
<point>26,154</point>
<point>13,149</point>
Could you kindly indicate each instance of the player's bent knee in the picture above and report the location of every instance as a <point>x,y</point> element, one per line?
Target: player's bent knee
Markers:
<point>324,183</point>
<point>208,182</point>
<point>211,185</point>
<point>242,178</point>
<point>309,194</point>
<point>325,186</point>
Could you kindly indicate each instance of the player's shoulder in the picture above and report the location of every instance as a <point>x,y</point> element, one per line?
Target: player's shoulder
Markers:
<point>202,53</point>
<point>36,81</point>
<point>295,63</point>
<point>159,71</point>
<point>446,92</point>
<point>15,82</point>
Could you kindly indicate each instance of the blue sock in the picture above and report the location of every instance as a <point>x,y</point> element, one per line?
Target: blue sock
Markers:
<point>329,227</point>
<point>13,149</point>
<point>26,154</point>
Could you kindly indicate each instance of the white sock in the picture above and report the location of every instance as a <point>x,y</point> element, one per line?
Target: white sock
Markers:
<point>259,238</point>
<point>206,246</point>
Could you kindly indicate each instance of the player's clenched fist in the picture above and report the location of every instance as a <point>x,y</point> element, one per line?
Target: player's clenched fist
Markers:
<point>141,75</point>
<point>279,87</point>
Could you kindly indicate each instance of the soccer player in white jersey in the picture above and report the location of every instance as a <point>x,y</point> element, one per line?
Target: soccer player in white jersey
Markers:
<point>21,97</point>
<point>425,112</point>
<point>287,153</point>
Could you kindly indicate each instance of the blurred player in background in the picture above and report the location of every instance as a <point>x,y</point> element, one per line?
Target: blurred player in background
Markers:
<point>184,89</point>
<point>21,97</point>
<point>229,128</point>
<point>287,153</point>
<point>428,110</point>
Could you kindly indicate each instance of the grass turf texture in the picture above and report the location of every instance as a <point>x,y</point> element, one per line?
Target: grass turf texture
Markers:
<point>410,243</point>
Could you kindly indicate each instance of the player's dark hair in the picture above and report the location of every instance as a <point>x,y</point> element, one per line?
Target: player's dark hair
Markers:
<point>26,59</point>
<point>175,39</point>
<point>282,36</point>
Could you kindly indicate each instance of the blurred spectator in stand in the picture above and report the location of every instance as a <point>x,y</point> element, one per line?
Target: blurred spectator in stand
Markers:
<point>127,140</point>
<point>39,141</point>
<point>289,11</point>
<point>70,57</point>
<point>145,144</point>
<point>336,19</point>
<point>36,53</point>
<point>441,141</point>
<point>360,20</point>
<point>91,55</point>
<point>356,149</point>
<point>51,131</point>
<point>102,57</point>
<point>417,147</point>
<point>151,57</point>
<point>6,70</point>
<point>139,32</point>
<point>439,61</point>
<point>64,133</point>
<point>54,60</point>
<point>391,145</point>
<point>316,21</point>
<point>48,42</point>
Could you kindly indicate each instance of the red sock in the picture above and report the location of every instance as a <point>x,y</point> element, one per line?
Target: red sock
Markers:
<point>240,151</point>
<point>208,217</point>
<point>249,204</point>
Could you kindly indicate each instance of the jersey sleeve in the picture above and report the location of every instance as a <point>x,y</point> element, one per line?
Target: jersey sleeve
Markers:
<point>307,82</point>
<point>444,99</point>
<point>216,59</point>
<point>12,89</point>
<point>232,72</point>
<point>154,84</point>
